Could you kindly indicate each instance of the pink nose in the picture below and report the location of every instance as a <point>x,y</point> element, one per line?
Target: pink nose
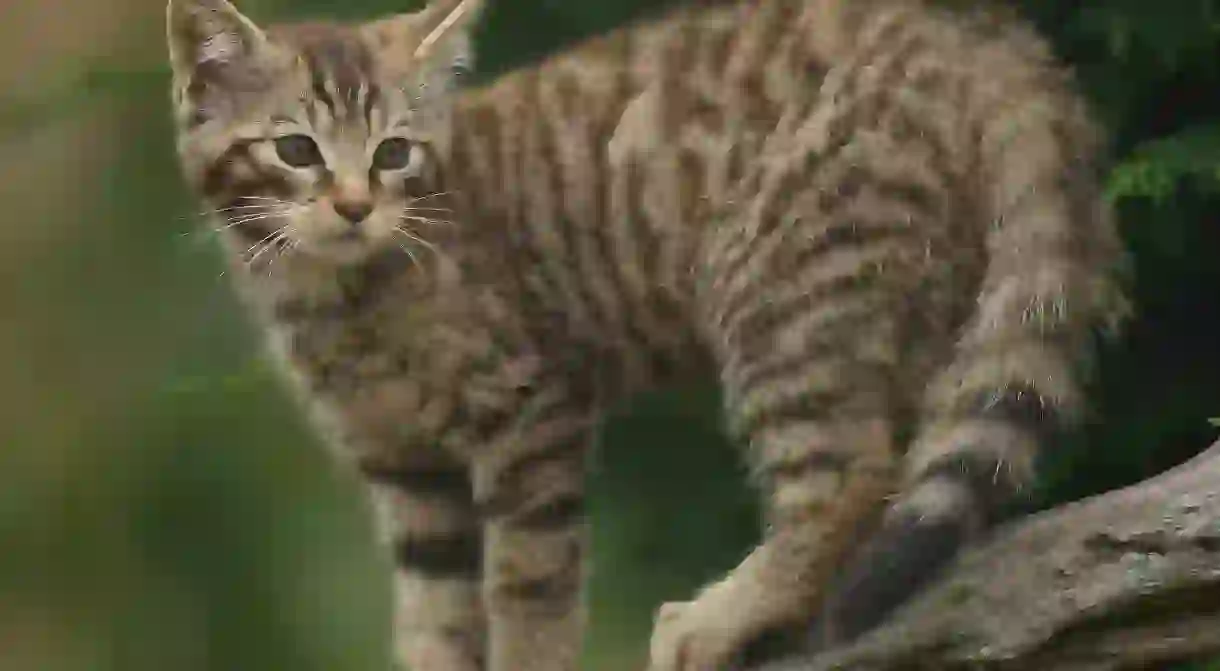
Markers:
<point>354,211</point>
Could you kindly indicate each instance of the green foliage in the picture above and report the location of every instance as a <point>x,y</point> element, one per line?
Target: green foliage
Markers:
<point>1156,168</point>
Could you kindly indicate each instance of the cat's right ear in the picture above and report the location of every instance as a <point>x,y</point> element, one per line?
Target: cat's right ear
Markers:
<point>209,34</point>
<point>215,52</point>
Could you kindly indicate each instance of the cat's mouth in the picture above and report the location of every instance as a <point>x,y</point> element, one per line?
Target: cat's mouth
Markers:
<point>344,247</point>
<point>349,236</point>
<point>350,246</point>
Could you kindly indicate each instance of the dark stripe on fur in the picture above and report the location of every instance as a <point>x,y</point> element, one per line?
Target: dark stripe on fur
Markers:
<point>842,402</point>
<point>453,555</point>
<point>554,514</point>
<point>813,462</point>
<point>335,55</point>
<point>555,592</point>
<point>824,340</point>
<point>511,490</point>
<point>1021,406</point>
<point>982,472</point>
<point>754,331</point>
<point>550,593</point>
<point>448,482</point>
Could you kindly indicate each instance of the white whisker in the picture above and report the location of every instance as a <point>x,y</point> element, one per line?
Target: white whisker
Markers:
<point>427,209</point>
<point>248,219</point>
<point>282,249</point>
<point>260,242</point>
<point>415,238</point>
<point>430,195</point>
<point>247,214</point>
<point>429,221</point>
<point>267,203</point>
<point>410,254</point>
<point>279,235</point>
<point>248,206</point>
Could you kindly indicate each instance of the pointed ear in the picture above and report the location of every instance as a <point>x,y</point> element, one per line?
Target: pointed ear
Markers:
<point>208,36</point>
<point>449,25</point>
<point>433,45</point>
<point>218,56</point>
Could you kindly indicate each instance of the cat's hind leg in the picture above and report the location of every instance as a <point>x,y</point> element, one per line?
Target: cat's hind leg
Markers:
<point>808,376</point>
<point>812,294</point>
<point>1009,395</point>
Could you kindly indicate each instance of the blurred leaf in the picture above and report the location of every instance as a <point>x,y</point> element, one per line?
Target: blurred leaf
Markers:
<point>1155,168</point>
<point>75,95</point>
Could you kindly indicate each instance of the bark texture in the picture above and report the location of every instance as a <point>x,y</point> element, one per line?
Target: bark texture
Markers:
<point>1129,579</point>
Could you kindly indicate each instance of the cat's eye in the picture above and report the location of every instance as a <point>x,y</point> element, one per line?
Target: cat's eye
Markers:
<point>392,154</point>
<point>461,67</point>
<point>298,151</point>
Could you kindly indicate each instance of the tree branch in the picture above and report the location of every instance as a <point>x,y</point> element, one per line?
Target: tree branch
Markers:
<point>1125,580</point>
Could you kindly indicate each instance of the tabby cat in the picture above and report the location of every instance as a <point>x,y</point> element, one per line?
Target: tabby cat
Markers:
<point>877,222</point>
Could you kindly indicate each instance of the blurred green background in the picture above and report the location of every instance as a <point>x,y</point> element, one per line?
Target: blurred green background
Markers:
<point>161,506</point>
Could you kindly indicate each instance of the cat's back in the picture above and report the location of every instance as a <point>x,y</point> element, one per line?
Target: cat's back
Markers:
<point>690,157</point>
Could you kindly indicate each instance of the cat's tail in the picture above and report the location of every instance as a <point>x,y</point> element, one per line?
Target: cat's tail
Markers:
<point>1013,386</point>
<point>1053,280</point>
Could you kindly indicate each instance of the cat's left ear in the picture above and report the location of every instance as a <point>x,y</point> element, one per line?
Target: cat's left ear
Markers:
<point>433,46</point>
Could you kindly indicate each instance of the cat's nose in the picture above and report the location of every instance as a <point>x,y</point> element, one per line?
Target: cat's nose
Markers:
<point>355,211</point>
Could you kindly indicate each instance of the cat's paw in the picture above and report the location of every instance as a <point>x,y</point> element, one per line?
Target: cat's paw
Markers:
<point>701,635</point>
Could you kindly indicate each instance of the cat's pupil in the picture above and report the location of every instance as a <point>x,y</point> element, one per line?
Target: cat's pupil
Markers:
<point>392,154</point>
<point>298,151</point>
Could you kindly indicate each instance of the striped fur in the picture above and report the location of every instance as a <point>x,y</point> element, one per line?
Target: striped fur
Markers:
<point>877,222</point>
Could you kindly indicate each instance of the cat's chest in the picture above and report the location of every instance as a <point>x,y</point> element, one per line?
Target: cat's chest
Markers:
<point>341,354</point>
<point>364,371</point>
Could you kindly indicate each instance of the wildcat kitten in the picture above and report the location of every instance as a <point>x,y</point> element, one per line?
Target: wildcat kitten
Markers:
<point>877,222</point>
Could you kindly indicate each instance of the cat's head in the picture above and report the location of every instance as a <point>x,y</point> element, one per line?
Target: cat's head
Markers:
<point>322,138</point>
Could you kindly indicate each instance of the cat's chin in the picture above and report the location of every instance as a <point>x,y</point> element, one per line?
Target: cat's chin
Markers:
<point>341,252</point>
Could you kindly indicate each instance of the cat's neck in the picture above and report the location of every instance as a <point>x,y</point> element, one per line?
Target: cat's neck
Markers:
<point>294,281</point>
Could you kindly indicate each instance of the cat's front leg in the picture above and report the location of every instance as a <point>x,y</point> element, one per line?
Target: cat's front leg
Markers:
<point>530,485</point>
<point>428,520</point>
